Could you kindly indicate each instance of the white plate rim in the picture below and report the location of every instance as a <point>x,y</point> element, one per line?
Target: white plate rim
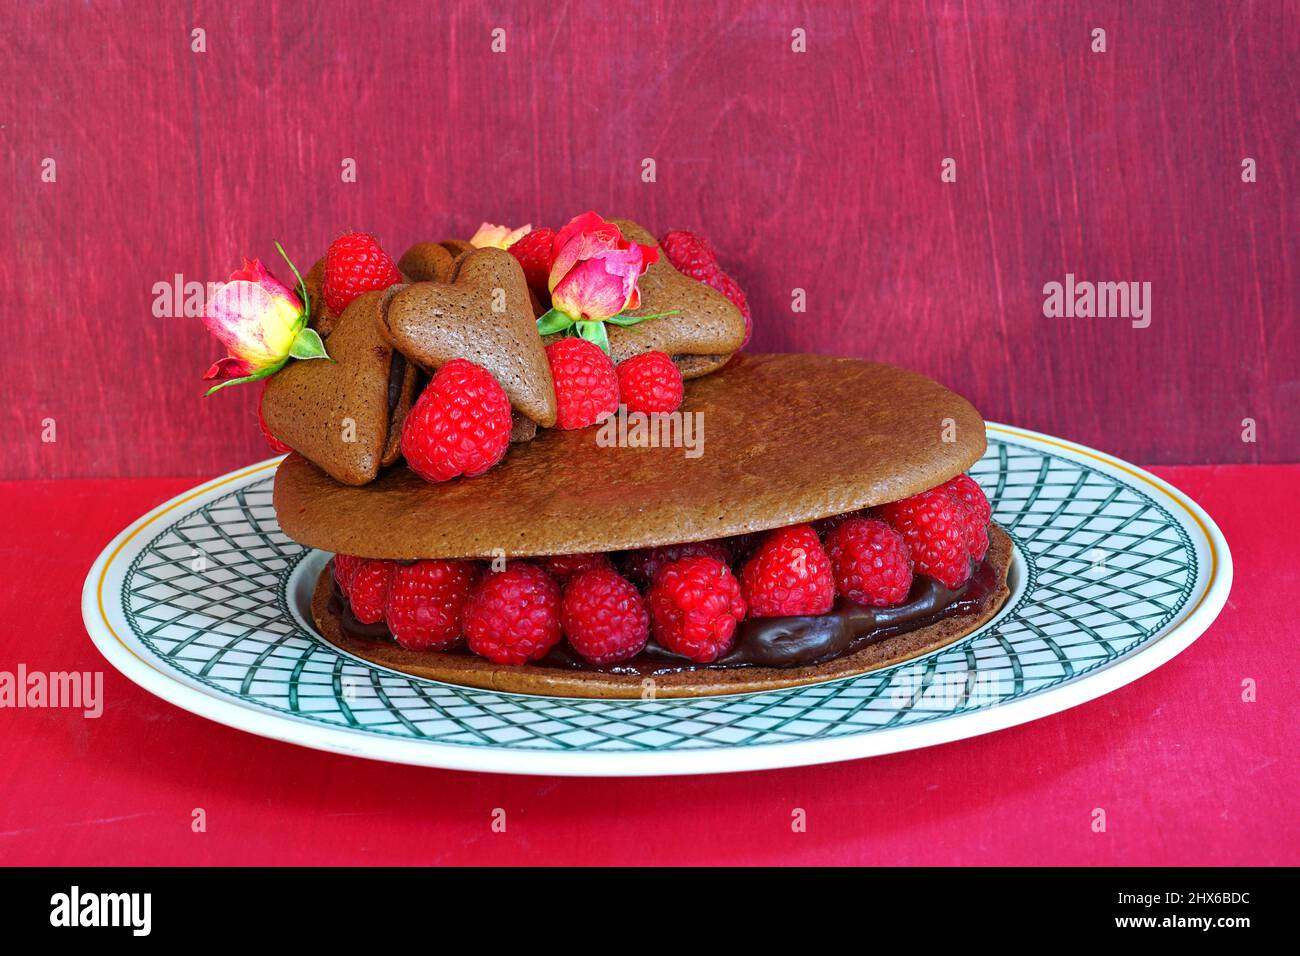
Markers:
<point>1180,634</point>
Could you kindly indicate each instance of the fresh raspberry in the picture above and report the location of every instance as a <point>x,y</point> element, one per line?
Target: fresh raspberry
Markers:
<point>649,383</point>
<point>564,567</point>
<point>460,424</point>
<point>978,513</point>
<point>690,254</point>
<point>586,386</point>
<point>604,616</point>
<point>824,526</point>
<point>533,250</point>
<point>513,616</point>
<point>368,590</point>
<point>934,525</point>
<point>644,564</point>
<point>695,604</point>
<point>788,575</point>
<point>345,565</point>
<point>426,601</point>
<point>731,289</point>
<point>355,264</point>
<point>277,446</point>
<point>870,562</point>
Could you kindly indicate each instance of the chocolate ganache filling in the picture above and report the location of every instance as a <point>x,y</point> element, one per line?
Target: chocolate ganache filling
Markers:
<point>768,641</point>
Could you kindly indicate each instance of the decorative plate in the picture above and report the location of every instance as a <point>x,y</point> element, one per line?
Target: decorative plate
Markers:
<point>202,602</point>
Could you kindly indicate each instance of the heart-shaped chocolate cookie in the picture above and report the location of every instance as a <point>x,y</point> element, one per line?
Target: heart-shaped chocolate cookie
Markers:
<point>345,414</point>
<point>458,247</point>
<point>427,262</point>
<point>703,334</point>
<point>484,315</point>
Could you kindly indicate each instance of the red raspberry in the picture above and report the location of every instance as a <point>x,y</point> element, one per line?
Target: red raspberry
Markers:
<point>824,526</point>
<point>345,565</point>
<point>533,251</point>
<point>354,264</point>
<point>690,254</point>
<point>564,567</point>
<point>650,382</point>
<point>978,513</point>
<point>788,575</point>
<point>513,616</point>
<point>426,601</point>
<point>695,604</point>
<point>644,564</point>
<point>460,424</point>
<point>586,386</point>
<point>277,446</point>
<point>368,590</point>
<point>604,616</point>
<point>870,561</point>
<point>728,287</point>
<point>934,525</point>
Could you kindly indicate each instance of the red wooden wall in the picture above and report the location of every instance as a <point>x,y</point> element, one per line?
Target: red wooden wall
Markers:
<point>817,170</point>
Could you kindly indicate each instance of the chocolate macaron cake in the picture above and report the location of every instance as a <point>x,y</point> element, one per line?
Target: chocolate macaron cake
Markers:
<point>541,466</point>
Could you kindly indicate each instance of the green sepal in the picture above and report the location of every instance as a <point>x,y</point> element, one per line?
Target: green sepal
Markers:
<point>260,373</point>
<point>302,286</point>
<point>307,344</point>
<point>554,321</point>
<point>594,332</point>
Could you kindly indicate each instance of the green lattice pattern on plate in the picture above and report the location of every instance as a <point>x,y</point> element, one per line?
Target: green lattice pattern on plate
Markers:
<point>1107,569</point>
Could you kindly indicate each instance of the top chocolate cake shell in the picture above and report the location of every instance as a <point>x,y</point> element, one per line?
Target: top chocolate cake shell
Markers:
<point>786,438</point>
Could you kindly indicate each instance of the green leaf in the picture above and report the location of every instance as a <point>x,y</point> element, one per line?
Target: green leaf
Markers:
<point>625,320</point>
<point>594,332</point>
<point>308,345</point>
<point>554,321</point>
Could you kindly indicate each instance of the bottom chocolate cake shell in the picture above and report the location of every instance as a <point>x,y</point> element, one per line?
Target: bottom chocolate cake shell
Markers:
<point>468,670</point>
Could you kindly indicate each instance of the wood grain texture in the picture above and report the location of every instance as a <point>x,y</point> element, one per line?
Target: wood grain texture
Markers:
<point>817,171</point>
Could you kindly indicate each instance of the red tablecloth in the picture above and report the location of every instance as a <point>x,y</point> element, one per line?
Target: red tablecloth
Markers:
<point>1187,772</point>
